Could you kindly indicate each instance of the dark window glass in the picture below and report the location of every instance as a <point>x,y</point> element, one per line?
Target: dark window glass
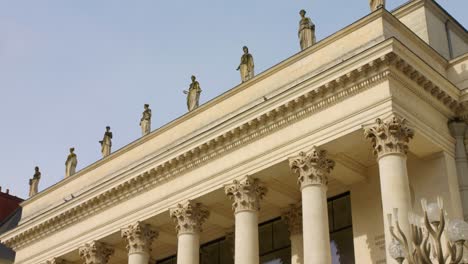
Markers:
<point>342,247</point>
<point>282,256</point>
<point>275,247</point>
<point>265,237</point>
<point>341,213</point>
<point>209,254</point>
<point>168,261</point>
<point>226,252</point>
<point>280,235</point>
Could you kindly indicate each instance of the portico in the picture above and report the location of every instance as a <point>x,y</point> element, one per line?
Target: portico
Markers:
<point>295,134</point>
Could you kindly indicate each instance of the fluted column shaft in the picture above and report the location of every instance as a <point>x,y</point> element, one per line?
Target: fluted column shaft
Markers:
<point>458,130</point>
<point>313,169</point>
<point>188,217</point>
<point>139,238</point>
<point>390,142</point>
<point>246,195</point>
<point>95,252</point>
<point>293,217</point>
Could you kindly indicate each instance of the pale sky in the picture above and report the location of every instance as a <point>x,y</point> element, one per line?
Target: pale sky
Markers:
<point>69,68</point>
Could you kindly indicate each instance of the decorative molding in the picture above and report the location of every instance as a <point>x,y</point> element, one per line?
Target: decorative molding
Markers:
<point>189,217</point>
<point>312,167</point>
<point>293,218</point>
<point>139,237</point>
<point>95,252</point>
<point>390,137</point>
<point>329,94</point>
<point>246,194</point>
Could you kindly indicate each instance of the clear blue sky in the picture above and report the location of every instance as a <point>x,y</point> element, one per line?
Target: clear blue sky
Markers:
<point>69,68</point>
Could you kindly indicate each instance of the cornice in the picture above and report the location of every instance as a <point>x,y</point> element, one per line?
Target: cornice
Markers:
<point>349,83</point>
<point>212,103</point>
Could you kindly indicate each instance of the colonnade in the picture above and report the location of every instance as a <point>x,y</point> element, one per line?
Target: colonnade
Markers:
<point>310,243</point>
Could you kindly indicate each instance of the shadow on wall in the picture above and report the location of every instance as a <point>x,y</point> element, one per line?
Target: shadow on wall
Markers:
<point>7,255</point>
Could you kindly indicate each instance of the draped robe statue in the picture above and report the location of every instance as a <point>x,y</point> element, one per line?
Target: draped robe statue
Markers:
<point>193,94</point>
<point>70,163</point>
<point>376,4</point>
<point>306,31</point>
<point>34,182</point>
<point>145,121</point>
<point>246,66</point>
<point>106,143</point>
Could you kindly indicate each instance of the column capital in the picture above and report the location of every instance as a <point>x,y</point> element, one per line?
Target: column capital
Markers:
<point>312,167</point>
<point>189,217</point>
<point>139,237</point>
<point>390,137</point>
<point>95,252</point>
<point>457,128</point>
<point>293,218</point>
<point>246,194</point>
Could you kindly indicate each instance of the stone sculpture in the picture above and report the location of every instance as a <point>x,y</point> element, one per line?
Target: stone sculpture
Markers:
<point>246,66</point>
<point>193,94</point>
<point>306,31</point>
<point>70,163</point>
<point>145,121</point>
<point>34,182</point>
<point>106,143</point>
<point>376,4</point>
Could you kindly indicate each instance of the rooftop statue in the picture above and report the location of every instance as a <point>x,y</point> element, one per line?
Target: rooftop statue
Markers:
<point>145,121</point>
<point>106,143</point>
<point>34,182</point>
<point>70,164</point>
<point>246,66</point>
<point>193,94</point>
<point>306,31</point>
<point>376,4</point>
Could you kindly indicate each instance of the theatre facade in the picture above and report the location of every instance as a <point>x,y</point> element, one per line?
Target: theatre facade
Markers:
<point>300,164</point>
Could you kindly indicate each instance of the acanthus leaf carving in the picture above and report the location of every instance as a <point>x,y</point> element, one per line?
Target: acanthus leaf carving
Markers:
<point>390,137</point>
<point>139,237</point>
<point>293,218</point>
<point>312,168</point>
<point>246,194</point>
<point>189,217</point>
<point>95,252</point>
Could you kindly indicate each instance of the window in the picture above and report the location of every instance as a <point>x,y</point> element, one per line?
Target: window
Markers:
<point>341,230</point>
<point>275,246</point>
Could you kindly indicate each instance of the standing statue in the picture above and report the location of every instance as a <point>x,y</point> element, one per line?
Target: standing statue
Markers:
<point>145,121</point>
<point>106,143</point>
<point>193,94</point>
<point>34,182</point>
<point>246,66</point>
<point>70,163</point>
<point>376,4</point>
<point>306,31</point>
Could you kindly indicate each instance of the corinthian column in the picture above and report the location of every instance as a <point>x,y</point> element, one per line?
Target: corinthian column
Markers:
<point>139,238</point>
<point>246,195</point>
<point>95,252</point>
<point>458,129</point>
<point>390,142</point>
<point>293,217</point>
<point>313,169</point>
<point>189,217</point>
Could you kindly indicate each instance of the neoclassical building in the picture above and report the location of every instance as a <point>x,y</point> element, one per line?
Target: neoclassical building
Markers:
<point>300,164</point>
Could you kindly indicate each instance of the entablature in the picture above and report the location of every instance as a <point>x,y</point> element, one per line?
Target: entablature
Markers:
<point>279,109</point>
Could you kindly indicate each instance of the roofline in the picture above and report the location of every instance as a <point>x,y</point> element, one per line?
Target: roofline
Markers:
<point>408,6</point>
<point>208,105</point>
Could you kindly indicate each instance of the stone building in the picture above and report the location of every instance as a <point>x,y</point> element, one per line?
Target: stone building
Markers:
<point>368,119</point>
